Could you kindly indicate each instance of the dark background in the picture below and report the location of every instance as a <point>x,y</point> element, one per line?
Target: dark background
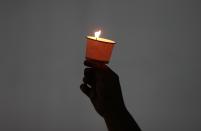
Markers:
<point>157,56</point>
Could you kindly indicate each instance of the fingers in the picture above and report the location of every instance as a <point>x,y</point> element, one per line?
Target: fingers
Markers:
<point>89,72</point>
<point>87,90</point>
<point>94,64</point>
<point>89,81</point>
<point>89,76</point>
<point>89,63</point>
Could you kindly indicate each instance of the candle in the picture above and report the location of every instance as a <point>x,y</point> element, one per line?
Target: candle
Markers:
<point>99,49</point>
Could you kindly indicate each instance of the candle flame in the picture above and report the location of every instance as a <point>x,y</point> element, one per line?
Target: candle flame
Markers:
<point>97,34</point>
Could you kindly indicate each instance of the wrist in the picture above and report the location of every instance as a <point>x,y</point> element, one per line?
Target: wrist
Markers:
<point>116,113</point>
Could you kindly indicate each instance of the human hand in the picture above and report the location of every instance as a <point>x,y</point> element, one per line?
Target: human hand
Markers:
<point>102,86</point>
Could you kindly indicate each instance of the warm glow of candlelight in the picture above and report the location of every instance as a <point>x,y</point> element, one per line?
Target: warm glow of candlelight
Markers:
<point>99,49</point>
<point>97,34</point>
<point>98,38</point>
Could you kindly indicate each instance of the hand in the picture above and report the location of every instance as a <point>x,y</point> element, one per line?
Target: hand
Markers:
<point>102,86</point>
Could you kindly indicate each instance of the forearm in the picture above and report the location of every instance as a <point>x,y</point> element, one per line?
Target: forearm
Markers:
<point>121,121</point>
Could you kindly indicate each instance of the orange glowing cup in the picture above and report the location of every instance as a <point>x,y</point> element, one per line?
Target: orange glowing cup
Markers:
<point>99,49</point>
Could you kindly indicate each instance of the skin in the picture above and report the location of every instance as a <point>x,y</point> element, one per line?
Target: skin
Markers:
<point>102,86</point>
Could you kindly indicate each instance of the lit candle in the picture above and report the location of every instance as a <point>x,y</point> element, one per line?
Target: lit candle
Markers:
<point>99,49</point>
